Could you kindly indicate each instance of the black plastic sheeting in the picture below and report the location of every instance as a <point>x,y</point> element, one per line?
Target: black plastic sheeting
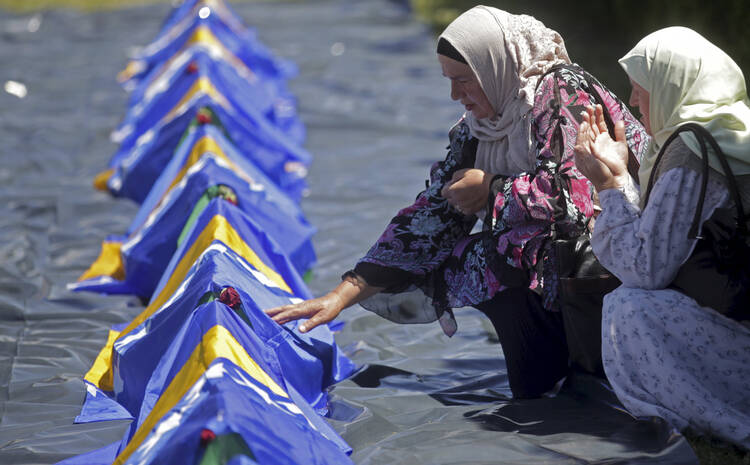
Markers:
<point>377,111</point>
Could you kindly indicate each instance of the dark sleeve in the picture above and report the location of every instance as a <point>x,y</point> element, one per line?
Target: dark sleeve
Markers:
<point>419,238</point>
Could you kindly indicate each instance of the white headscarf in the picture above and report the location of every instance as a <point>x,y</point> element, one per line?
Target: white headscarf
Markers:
<point>508,54</point>
<point>691,80</point>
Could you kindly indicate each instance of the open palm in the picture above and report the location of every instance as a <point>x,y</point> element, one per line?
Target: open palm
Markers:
<point>599,157</point>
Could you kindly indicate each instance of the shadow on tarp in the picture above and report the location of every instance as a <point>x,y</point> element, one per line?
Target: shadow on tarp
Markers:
<point>583,423</point>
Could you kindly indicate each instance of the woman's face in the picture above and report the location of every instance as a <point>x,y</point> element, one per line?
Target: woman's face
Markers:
<point>465,88</point>
<point>639,97</point>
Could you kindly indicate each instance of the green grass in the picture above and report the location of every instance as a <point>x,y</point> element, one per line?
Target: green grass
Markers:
<point>712,451</point>
<point>30,6</point>
<point>598,32</point>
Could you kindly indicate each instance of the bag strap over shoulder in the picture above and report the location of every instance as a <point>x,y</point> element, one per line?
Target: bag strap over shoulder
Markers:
<point>633,163</point>
<point>702,135</point>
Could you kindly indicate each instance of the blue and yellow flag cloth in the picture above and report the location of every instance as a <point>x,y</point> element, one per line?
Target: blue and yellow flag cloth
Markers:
<point>211,143</point>
<point>231,75</point>
<point>196,70</point>
<point>309,361</point>
<point>223,221</point>
<point>140,161</point>
<point>226,416</point>
<point>218,19</point>
<point>146,251</point>
<point>206,377</point>
<point>245,395</point>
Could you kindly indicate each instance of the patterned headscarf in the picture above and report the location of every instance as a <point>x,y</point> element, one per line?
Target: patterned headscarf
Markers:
<point>508,54</point>
<point>691,80</point>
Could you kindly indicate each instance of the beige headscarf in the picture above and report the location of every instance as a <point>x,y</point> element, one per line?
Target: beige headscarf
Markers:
<point>508,54</point>
<point>691,80</point>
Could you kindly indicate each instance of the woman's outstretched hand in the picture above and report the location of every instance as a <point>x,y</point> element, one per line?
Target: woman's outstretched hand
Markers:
<point>598,157</point>
<point>468,190</point>
<point>324,309</point>
<point>319,311</point>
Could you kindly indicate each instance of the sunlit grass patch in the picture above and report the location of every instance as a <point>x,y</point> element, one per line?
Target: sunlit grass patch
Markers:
<point>24,6</point>
<point>27,6</point>
<point>712,451</point>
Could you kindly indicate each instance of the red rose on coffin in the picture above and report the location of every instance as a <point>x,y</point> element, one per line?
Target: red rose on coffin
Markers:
<point>207,436</point>
<point>203,118</point>
<point>229,296</point>
<point>192,68</point>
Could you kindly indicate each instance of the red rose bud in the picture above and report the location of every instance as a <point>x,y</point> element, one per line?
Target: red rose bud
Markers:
<point>230,197</point>
<point>192,68</point>
<point>229,296</point>
<point>207,436</point>
<point>203,118</point>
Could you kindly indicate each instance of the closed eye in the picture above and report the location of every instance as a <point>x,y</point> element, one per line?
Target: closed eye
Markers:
<point>459,79</point>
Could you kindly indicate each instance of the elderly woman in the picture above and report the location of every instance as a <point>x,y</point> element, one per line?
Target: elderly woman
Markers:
<point>510,165</point>
<point>665,353</point>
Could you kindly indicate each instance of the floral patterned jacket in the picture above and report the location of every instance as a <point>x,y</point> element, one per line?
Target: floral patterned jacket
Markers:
<point>429,244</point>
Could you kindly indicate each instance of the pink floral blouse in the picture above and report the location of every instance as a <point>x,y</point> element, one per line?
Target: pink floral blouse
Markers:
<point>428,245</point>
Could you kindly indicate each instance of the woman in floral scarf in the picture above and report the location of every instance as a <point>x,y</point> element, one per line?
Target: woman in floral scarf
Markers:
<point>509,165</point>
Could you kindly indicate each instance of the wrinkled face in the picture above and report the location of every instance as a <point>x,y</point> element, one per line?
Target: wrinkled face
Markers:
<point>465,88</point>
<point>639,97</point>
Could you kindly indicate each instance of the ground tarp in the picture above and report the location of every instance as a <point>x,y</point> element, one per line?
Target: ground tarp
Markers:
<point>377,113</point>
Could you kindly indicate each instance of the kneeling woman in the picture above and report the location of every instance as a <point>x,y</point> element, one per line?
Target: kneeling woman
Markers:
<point>510,163</point>
<point>667,351</point>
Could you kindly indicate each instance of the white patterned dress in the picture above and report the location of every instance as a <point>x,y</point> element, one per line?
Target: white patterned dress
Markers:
<point>664,354</point>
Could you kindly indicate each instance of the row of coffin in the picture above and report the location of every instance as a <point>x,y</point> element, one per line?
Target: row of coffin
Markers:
<point>210,149</point>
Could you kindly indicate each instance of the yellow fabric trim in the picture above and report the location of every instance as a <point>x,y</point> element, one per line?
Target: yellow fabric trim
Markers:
<point>195,38</point>
<point>131,69</point>
<point>202,84</point>
<point>109,263</point>
<point>202,146</point>
<point>98,373</point>
<point>100,180</point>
<point>217,228</point>
<point>216,342</point>
<point>203,35</point>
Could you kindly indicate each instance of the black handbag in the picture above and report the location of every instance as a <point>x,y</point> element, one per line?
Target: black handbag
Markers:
<point>717,273</point>
<point>582,280</point>
<point>582,285</point>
